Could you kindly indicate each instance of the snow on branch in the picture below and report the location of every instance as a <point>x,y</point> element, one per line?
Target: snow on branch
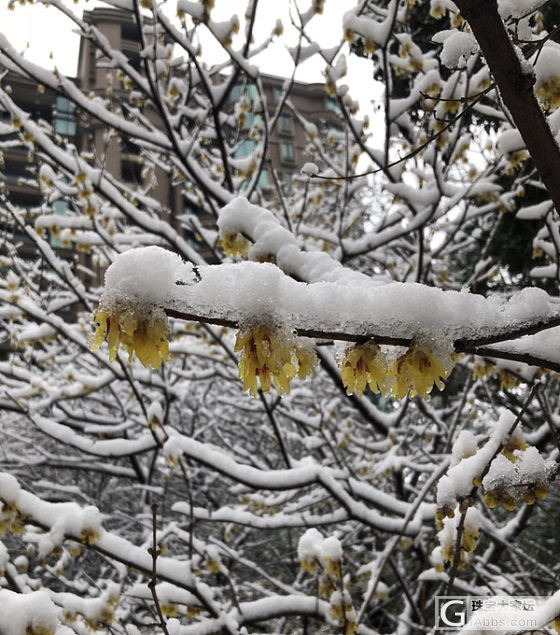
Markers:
<point>278,306</point>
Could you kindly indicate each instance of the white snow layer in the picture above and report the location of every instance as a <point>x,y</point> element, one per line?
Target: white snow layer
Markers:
<point>260,293</point>
<point>21,613</point>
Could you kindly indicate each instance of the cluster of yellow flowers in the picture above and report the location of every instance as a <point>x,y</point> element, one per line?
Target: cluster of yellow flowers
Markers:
<point>271,357</point>
<point>515,160</point>
<point>234,245</point>
<point>417,371</point>
<point>324,556</point>
<point>548,93</point>
<point>342,612</point>
<point>469,539</point>
<point>441,514</point>
<point>363,364</point>
<point>143,333</point>
<point>321,556</point>
<point>486,369</point>
<point>515,442</point>
<point>173,610</point>
<point>10,518</point>
<point>507,496</point>
<point>483,370</point>
<point>448,540</point>
<point>89,535</point>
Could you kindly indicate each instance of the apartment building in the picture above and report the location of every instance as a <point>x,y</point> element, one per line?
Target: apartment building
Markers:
<point>285,154</point>
<point>286,150</point>
<point>42,105</point>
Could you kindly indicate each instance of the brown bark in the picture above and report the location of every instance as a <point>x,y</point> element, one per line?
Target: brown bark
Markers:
<point>516,88</point>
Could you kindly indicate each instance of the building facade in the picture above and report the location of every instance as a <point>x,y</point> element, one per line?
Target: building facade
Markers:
<point>306,105</point>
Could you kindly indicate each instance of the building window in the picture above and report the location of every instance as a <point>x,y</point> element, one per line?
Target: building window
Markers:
<point>131,172</point>
<point>285,123</point>
<point>263,178</point>
<point>128,146</point>
<point>249,90</point>
<point>60,208</point>
<point>65,117</point>
<point>129,31</point>
<point>15,168</point>
<point>287,151</point>
<point>134,60</point>
<point>278,93</point>
<point>235,93</point>
<point>28,200</point>
<point>288,180</point>
<point>244,149</point>
<point>332,104</point>
<point>250,120</point>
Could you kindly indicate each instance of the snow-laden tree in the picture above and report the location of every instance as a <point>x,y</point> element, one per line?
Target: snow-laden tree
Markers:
<point>234,433</point>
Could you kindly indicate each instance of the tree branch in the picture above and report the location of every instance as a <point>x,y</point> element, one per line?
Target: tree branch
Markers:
<point>515,82</point>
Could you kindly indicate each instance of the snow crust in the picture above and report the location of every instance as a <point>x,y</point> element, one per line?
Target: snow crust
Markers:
<point>528,468</point>
<point>548,61</point>
<point>314,547</point>
<point>310,169</point>
<point>22,611</point>
<point>142,273</point>
<point>458,482</point>
<point>458,46</point>
<point>261,293</point>
<point>518,8</point>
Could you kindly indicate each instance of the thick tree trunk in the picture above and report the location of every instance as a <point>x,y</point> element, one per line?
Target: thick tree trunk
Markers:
<point>515,81</point>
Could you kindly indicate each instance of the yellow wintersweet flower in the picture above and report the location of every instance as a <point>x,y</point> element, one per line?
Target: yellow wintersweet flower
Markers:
<point>418,371</point>
<point>349,35</point>
<point>272,358</point>
<point>38,629</point>
<point>548,93</point>
<point>507,380</point>
<point>234,244</point>
<point>306,360</point>
<point>142,333</point>
<point>89,535</point>
<point>326,586</point>
<point>212,565</point>
<point>437,11</point>
<point>369,46</point>
<point>540,490</point>
<point>515,160</point>
<point>508,501</point>
<point>491,498</point>
<point>515,442</point>
<point>363,364</point>
<point>528,496</point>
<point>483,370</point>
<point>309,563</point>
<point>169,610</point>
<point>469,539</point>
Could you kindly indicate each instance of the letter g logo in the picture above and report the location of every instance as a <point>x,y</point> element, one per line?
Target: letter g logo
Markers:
<point>457,617</point>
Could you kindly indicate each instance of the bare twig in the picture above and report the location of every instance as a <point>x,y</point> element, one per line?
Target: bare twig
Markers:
<point>154,551</point>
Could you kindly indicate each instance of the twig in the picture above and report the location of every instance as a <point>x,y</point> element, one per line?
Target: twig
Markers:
<point>155,552</point>
<point>456,553</point>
